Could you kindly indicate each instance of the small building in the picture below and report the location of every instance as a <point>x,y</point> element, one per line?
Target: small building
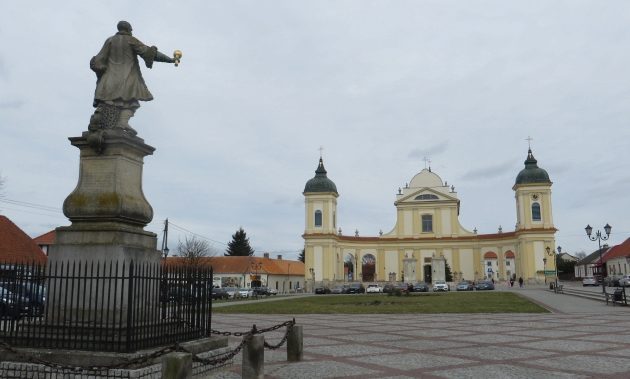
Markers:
<point>16,246</point>
<point>589,265</point>
<point>286,276</point>
<point>617,259</point>
<point>45,241</point>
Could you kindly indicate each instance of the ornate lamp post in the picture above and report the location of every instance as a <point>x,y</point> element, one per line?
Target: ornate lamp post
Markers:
<point>599,238</point>
<point>312,271</point>
<point>256,266</point>
<point>552,253</point>
<point>545,269</point>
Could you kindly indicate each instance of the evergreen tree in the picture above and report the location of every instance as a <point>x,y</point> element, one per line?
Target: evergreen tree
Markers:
<point>301,256</point>
<point>448,273</point>
<point>239,246</point>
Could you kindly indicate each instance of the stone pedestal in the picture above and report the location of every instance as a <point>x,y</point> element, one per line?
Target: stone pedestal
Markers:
<point>108,212</point>
<point>409,270</point>
<point>438,268</point>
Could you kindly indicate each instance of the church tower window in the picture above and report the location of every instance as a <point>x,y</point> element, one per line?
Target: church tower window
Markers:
<point>536,212</point>
<point>318,218</point>
<point>427,223</point>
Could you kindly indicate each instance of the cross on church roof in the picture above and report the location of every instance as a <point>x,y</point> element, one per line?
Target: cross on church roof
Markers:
<point>529,142</point>
<point>321,149</point>
<point>427,161</point>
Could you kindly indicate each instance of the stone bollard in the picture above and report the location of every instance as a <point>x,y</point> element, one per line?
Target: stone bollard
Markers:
<point>177,366</point>
<point>254,358</point>
<point>295,345</point>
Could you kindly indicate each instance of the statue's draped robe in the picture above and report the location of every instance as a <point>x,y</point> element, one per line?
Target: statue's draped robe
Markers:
<point>120,81</point>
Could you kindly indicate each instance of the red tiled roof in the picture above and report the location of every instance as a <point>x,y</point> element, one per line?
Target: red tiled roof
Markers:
<point>16,246</point>
<point>229,265</point>
<point>621,250</point>
<point>46,238</point>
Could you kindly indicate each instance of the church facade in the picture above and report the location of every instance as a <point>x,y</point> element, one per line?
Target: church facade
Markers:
<point>428,236</point>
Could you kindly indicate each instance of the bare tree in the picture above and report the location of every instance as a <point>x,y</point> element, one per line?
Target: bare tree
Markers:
<point>193,249</point>
<point>580,255</point>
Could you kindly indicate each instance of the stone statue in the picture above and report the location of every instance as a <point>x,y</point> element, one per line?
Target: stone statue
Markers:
<point>119,84</point>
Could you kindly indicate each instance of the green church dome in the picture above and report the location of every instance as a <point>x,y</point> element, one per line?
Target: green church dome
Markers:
<point>320,183</point>
<point>532,173</point>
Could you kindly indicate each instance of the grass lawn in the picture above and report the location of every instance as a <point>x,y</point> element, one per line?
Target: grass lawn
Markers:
<point>451,302</point>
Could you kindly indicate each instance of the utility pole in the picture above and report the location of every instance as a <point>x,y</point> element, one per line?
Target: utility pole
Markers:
<point>165,240</point>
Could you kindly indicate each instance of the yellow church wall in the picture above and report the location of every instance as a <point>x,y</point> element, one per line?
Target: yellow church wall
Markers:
<point>445,215</point>
<point>318,262</point>
<point>407,223</point>
<point>466,263</point>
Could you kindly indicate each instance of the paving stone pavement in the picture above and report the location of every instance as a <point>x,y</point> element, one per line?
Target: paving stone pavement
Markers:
<point>580,338</point>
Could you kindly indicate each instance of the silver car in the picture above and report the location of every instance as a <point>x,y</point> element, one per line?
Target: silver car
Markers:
<point>589,281</point>
<point>624,281</point>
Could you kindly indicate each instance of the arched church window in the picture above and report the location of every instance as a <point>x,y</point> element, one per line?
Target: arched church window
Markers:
<point>536,212</point>
<point>427,196</point>
<point>427,223</point>
<point>318,218</point>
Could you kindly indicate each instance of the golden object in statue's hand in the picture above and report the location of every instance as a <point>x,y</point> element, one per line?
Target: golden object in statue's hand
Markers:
<point>177,55</point>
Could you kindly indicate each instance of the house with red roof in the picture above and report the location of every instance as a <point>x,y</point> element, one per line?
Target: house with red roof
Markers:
<point>286,276</point>
<point>45,241</point>
<point>590,264</point>
<point>16,246</point>
<point>617,260</point>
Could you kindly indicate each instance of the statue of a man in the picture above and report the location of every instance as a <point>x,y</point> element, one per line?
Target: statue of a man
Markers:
<point>119,84</point>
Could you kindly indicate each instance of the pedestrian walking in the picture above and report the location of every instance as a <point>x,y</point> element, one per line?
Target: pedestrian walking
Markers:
<point>520,281</point>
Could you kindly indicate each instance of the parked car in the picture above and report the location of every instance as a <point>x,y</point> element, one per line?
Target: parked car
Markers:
<point>219,294</point>
<point>12,305</point>
<point>232,292</point>
<point>273,291</point>
<point>261,291</point>
<point>374,288</point>
<point>339,290</point>
<point>355,288</point>
<point>389,288</point>
<point>484,285</point>
<point>33,293</point>
<point>245,292</point>
<point>624,281</point>
<point>589,281</point>
<point>440,285</point>
<point>612,280</point>
<point>420,287</point>
<point>323,290</point>
<point>402,287</point>
<point>464,286</point>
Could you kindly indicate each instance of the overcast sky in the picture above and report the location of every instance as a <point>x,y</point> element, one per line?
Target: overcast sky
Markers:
<point>379,84</point>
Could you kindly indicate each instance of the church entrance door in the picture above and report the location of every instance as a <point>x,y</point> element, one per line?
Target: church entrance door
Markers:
<point>368,268</point>
<point>427,273</point>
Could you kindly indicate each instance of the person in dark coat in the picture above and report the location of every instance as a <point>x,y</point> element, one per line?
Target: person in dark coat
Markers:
<point>520,281</point>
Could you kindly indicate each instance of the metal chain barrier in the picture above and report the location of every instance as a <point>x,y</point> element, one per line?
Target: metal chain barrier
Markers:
<point>74,368</point>
<point>215,361</point>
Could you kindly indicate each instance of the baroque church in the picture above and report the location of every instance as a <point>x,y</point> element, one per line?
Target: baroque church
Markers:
<point>428,236</point>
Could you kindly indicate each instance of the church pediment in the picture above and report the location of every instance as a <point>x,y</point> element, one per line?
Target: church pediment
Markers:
<point>424,195</point>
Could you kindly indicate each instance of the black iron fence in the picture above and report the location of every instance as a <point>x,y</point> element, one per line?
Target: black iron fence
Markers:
<point>111,306</point>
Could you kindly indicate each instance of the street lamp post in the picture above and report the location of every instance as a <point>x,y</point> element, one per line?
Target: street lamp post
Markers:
<point>312,271</point>
<point>256,266</point>
<point>545,269</point>
<point>552,253</point>
<point>599,238</point>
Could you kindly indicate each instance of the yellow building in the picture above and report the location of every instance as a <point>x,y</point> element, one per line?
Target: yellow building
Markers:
<point>428,231</point>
